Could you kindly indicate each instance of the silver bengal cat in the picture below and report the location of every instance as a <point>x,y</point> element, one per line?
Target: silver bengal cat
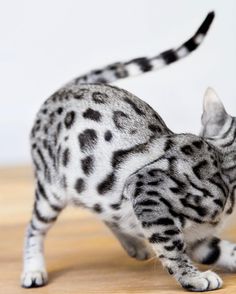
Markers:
<point>100,147</point>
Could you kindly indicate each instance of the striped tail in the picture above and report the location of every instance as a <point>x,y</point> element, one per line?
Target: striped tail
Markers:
<point>134,67</point>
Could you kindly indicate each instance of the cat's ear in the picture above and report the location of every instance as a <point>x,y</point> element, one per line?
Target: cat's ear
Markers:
<point>214,115</point>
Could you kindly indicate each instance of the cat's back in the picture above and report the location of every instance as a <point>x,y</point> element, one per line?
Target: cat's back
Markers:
<point>110,112</point>
<point>94,136</point>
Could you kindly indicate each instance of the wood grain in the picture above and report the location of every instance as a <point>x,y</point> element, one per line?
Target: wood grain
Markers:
<point>82,255</point>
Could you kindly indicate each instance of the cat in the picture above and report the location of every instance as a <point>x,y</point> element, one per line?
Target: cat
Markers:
<point>100,147</point>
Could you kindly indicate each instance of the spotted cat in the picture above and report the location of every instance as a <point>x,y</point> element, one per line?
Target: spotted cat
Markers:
<point>100,147</point>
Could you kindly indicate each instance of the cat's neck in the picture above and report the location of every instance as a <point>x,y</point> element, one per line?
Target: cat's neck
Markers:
<point>227,166</point>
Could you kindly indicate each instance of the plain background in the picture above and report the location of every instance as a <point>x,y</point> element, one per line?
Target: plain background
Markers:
<point>46,43</point>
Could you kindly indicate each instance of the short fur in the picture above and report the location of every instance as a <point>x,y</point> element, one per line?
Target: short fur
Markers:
<point>102,148</point>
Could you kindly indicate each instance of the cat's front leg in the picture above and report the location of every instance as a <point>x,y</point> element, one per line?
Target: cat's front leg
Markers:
<point>134,246</point>
<point>163,230</point>
<point>215,251</point>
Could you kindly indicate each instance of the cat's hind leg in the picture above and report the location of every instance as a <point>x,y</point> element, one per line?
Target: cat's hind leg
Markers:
<point>134,246</point>
<point>45,212</point>
<point>214,251</point>
<point>163,228</point>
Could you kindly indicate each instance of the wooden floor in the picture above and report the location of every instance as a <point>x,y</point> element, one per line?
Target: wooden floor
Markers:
<point>82,255</point>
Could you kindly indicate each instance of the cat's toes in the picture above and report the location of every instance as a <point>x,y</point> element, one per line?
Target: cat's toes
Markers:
<point>227,258</point>
<point>140,253</point>
<point>33,279</point>
<point>204,281</point>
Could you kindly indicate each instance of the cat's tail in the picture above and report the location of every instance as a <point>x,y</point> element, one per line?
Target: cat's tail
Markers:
<point>141,65</point>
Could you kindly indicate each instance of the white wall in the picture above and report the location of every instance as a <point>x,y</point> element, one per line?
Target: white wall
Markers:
<point>46,43</point>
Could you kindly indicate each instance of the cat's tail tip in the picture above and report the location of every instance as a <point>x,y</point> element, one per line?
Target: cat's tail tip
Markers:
<point>196,40</point>
<point>203,29</point>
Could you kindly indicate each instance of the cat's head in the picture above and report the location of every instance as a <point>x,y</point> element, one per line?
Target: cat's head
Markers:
<point>217,125</point>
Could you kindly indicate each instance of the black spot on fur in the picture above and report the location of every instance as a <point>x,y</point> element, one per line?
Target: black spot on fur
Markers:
<point>153,172</point>
<point>80,185</point>
<point>87,140</point>
<point>153,193</point>
<point>154,128</point>
<point>80,95</point>
<point>154,183</point>
<point>107,184</point>
<point>118,118</point>
<point>147,202</point>
<point>171,232</point>
<point>165,221</point>
<point>157,238</point>
<point>42,218</point>
<point>59,127</point>
<point>44,163</point>
<point>99,97</point>
<point>97,208</point>
<point>197,144</point>
<point>159,222</point>
<point>209,148</point>
<point>169,56</point>
<point>108,136</point>
<point>87,165</point>
<point>191,44</point>
<point>54,97</point>
<point>120,155</point>
<point>134,106</point>
<point>41,190</point>
<point>102,81</point>
<point>200,210</point>
<point>112,66</point>
<point>168,145</point>
<point>177,244</point>
<point>219,202</point>
<point>92,114</point>
<point>97,71</point>
<point>215,163</point>
<point>115,206</point>
<point>180,185</point>
<point>139,184</point>
<point>132,132</point>
<point>59,110</point>
<point>142,62</point>
<point>65,157</point>
<point>170,271</point>
<point>214,252</point>
<point>187,150</point>
<point>69,119</point>
<point>137,192</point>
<point>45,144</point>
<point>45,129</point>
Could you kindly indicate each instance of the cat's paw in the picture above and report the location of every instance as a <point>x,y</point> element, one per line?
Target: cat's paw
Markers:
<point>204,281</point>
<point>33,279</point>
<point>227,258</point>
<point>231,261</point>
<point>140,253</point>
